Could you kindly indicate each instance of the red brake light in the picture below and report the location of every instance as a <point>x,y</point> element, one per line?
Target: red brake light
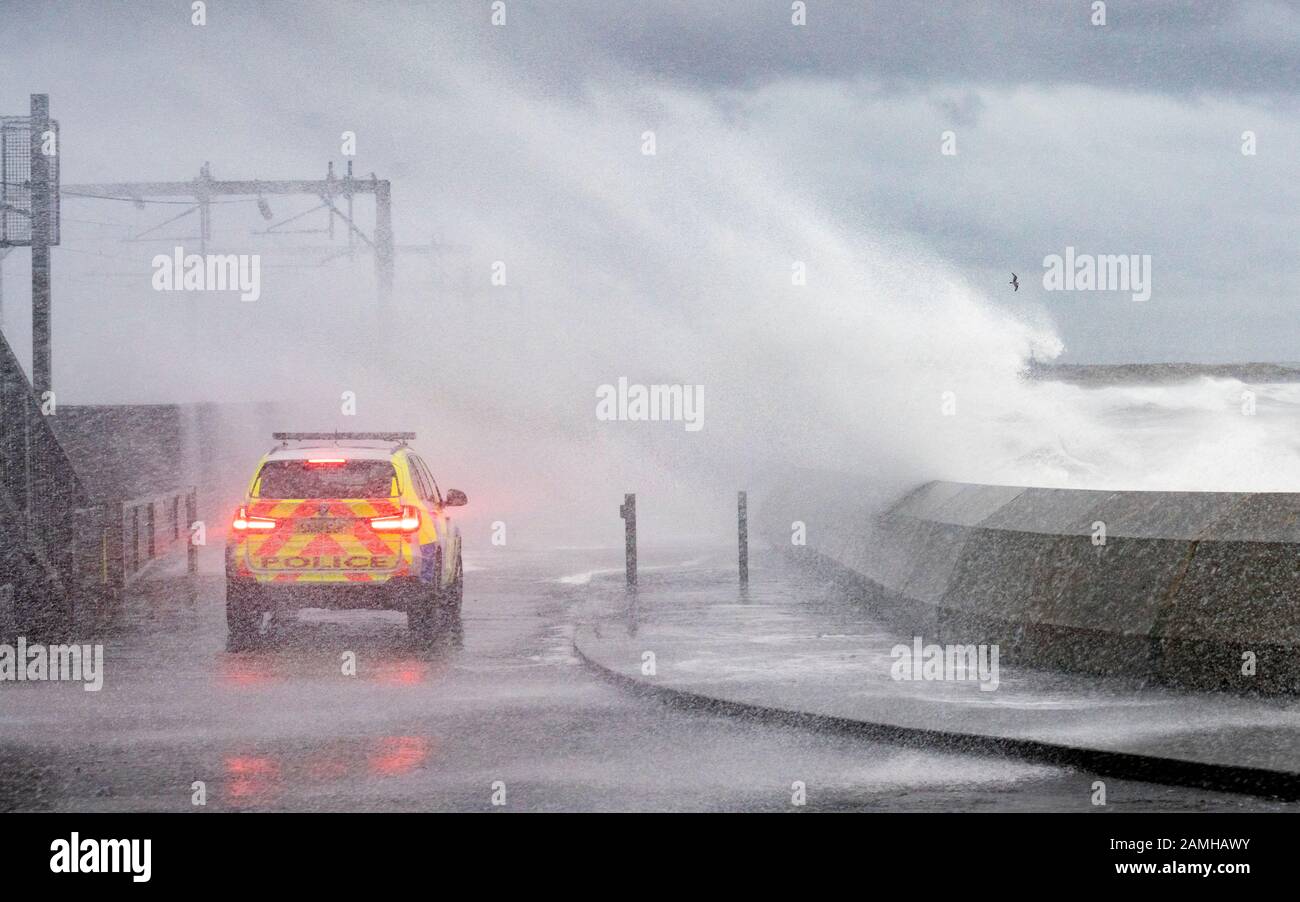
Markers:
<point>326,461</point>
<point>407,521</point>
<point>243,521</point>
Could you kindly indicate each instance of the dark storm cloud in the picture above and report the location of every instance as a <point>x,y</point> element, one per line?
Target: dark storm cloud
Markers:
<point>1248,46</point>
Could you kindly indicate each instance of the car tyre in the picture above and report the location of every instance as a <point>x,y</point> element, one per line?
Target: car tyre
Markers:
<point>243,615</point>
<point>420,613</point>
<point>449,609</point>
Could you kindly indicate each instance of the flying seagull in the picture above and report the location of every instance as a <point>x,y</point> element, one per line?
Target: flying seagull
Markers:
<point>1014,283</point>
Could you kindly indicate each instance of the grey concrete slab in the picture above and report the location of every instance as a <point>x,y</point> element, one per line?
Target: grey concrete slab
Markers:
<point>1265,517</point>
<point>1165,515</point>
<point>1057,511</point>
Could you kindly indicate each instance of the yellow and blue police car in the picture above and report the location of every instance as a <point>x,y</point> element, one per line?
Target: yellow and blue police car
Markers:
<point>343,520</point>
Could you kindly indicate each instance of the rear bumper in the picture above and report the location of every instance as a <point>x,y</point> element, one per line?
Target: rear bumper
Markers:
<point>394,595</point>
<point>238,570</point>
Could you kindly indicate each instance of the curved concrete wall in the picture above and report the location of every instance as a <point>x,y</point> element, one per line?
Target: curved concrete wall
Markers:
<point>1185,583</point>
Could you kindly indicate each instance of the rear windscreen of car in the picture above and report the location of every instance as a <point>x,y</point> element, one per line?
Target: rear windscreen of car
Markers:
<point>303,479</point>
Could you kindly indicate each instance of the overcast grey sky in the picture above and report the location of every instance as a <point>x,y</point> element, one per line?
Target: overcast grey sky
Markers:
<point>1122,138</point>
<point>776,145</point>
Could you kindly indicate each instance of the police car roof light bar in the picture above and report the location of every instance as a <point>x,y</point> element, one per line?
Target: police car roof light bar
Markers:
<point>400,437</point>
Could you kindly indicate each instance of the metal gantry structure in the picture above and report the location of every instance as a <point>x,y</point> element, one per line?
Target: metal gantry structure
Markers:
<point>30,215</point>
<point>331,190</point>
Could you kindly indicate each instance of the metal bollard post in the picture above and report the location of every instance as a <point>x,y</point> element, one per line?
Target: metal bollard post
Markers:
<point>628,513</point>
<point>135,539</point>
<point>742,527</point>
<point>191,514</point>
<point>151,526</point>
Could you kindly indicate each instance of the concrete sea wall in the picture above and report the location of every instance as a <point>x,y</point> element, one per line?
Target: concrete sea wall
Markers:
<point>1185,585</point>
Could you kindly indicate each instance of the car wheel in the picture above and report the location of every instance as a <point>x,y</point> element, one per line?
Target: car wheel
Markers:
<point>421,613</point>
<point>449,604</point>
<point>243,615</point>
<point>457,592</point>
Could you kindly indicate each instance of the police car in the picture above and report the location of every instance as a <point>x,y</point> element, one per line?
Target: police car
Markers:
<point>343,520</point>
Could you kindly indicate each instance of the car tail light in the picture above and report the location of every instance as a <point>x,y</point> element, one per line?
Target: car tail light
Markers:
<point>407,521</point>
<point>243,521</point>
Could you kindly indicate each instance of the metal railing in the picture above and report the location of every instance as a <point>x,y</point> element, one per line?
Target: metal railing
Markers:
<point>147,529</point>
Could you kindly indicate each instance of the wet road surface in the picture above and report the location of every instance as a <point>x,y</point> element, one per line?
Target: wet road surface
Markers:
<point>826,648</point>
<point>500,710</point>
